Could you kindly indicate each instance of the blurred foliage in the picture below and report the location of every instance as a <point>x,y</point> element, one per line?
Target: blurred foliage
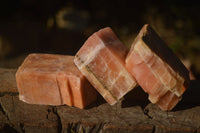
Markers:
<point>62,26</point>
<point>177,44</point>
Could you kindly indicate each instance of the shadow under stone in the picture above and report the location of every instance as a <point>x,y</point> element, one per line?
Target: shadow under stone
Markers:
<point>100,101</point>
<point>8,129</point>
<point>191,97</point>
<point>135,97</point>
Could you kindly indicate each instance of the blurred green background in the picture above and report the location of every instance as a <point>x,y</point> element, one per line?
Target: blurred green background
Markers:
<point>62,26</point>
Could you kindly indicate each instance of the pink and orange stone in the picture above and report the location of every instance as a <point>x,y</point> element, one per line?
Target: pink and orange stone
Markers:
<point>157,70</point>
<point>102,60</point>
<point>51,79</point>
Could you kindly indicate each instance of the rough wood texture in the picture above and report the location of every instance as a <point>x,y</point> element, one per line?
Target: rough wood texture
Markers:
<point>133,114</point>
<point>7,81</point>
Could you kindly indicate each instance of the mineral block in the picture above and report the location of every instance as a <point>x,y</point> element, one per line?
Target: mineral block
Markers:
<point>53,80</point>
<point>157,70</point>
<point>102,60</point>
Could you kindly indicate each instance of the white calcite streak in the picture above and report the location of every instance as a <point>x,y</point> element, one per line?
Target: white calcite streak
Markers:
<point>91,55</point>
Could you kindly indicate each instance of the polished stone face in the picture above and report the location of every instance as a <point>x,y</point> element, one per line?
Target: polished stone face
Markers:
<point>53,80</point>
<point>102,60</point>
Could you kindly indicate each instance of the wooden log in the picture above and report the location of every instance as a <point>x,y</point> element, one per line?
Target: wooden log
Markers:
<point>136,115</point>
<point>23,116</point>
<point>7,81</point>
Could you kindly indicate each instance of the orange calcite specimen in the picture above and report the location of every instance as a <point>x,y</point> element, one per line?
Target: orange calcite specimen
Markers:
<point>102,60</point>
<point>53,80</point>
<point>157,70</point>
